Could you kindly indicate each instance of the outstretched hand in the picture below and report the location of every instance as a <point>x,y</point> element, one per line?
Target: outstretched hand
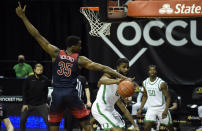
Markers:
<point>19,11</point>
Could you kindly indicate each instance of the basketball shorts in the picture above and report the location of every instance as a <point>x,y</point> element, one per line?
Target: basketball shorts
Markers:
<point>107,118</point>
<point>153,113</point>
<point>62,98</point>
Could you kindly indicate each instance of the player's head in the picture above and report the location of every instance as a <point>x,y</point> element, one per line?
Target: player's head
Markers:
<point>73,43</point>
<point>122,66</point>
<point>21,59</point>
<point>38,69</point>
<point>152,71</point>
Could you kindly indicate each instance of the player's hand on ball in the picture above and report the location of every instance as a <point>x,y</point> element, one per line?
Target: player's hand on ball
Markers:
<point>19,11</point>
<point>131,79</point>
<point>164,114</point>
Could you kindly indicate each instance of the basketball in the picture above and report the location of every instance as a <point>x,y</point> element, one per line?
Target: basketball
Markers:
<point>126,88</point>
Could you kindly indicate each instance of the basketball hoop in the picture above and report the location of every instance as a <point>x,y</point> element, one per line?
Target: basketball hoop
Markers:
<point>92,15</point>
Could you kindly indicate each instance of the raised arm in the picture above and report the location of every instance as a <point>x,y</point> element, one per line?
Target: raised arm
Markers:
<point>50,49</point>
<point>90,65</point>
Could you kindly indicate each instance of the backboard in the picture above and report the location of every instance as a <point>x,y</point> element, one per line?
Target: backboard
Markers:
<point>126,10</point>
<point>114,10</point>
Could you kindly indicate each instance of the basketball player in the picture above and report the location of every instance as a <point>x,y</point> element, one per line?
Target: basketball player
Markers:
<point>66,65</point>
<point>103,107</point>
<point>155,91</point>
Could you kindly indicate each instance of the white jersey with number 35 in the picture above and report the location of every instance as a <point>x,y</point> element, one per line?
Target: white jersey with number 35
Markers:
<point>155,97</point>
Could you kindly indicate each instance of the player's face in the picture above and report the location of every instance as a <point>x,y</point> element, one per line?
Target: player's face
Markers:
<point>38,70</point>
<point>77,47</point>
<point>123,68</point>
<point>152,71</point>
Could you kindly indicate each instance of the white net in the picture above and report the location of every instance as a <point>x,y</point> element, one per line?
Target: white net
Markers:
<point>95,24</point>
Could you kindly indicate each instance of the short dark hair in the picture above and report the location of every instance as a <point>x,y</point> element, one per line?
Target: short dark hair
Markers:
<point>121,60</point>
<point>72,40</point>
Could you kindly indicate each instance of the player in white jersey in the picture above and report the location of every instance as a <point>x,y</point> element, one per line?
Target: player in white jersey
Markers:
<point>103,107</point>
<point>158,100</point>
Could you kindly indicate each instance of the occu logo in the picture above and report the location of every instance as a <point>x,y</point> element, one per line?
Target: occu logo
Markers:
<point>145,33</point>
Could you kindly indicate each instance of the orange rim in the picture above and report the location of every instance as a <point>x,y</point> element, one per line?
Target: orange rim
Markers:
<point>91,8</point>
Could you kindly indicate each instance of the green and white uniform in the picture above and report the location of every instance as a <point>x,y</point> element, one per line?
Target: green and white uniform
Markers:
<point>156,102</point>
<point>103,107</point>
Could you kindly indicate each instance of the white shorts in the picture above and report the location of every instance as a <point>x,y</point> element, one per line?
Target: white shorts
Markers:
<point>153,113</point>
<point>106,118</point>
<point>200,111</point>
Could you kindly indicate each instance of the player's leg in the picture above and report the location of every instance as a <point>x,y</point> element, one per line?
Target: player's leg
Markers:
<point>78,109</point>
<point>119,122</point>
<point>56,109</point>
<point>68,120</point>
<point>54,120</point>
<point>150,119</point>
<point>107,119</point>
<point>148,125</point>
<point>166,121</point>
<point>85,124</point>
